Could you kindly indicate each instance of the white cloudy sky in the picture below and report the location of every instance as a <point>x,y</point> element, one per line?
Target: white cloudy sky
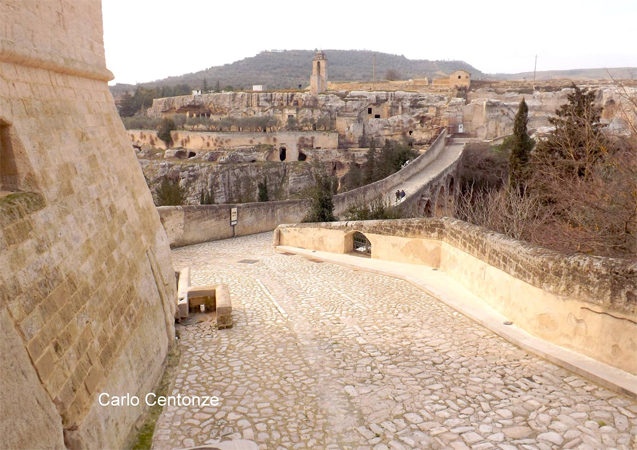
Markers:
<point>152,39</point>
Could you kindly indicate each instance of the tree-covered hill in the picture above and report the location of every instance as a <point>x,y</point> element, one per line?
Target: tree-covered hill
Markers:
<point>289,68</point>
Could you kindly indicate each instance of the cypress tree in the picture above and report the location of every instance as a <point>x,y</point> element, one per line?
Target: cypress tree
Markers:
<point>521,147</point>
<point>322,207</point>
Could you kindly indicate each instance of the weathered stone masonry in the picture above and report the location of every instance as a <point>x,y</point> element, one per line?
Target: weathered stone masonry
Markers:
<point>87,286</point>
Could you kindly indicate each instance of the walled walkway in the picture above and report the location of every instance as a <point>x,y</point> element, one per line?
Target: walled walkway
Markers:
<point>323,356</point>
<point>413,185</point>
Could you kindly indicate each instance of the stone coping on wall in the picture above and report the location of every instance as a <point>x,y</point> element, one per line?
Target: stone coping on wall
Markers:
<point>607,282</point>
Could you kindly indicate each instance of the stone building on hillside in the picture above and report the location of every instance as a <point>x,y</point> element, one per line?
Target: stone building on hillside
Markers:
<point>87,288</point>
<point>318,80</point>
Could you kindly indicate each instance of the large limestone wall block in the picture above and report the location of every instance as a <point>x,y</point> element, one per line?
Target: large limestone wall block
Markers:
<point>22,395</point>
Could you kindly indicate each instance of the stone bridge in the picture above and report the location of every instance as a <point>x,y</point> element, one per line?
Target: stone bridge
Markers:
<point>429,182</point>
<point>432,192</point>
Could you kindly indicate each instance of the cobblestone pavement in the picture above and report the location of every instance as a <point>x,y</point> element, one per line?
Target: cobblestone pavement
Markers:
<point>353,360</point>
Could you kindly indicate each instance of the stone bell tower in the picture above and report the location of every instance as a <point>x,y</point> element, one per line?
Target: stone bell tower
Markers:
<point>318,80</point>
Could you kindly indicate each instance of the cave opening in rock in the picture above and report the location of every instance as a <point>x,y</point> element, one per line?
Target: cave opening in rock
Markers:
<point>302,156</point>
<point>282,153</point>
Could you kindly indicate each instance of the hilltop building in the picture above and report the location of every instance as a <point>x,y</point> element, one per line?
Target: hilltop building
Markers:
<point>318,80</point>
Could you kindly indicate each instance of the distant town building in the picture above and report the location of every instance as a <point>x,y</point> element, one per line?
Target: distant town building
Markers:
<point>196,92</point>
<point>460,78</point>
<point>318,80</point>
<point>259,87</point>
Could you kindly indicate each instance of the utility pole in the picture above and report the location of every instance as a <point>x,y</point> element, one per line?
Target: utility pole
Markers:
<point>535,68</point>
<point>374,72</point>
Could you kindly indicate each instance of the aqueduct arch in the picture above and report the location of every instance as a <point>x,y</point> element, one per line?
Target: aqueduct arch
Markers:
<point>441,202</point>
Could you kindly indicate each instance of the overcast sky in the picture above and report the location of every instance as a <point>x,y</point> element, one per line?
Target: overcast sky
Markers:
<point>147,40</point>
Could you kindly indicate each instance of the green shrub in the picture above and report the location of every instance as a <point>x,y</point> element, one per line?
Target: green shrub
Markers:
<point>165,127</point>
<point>322,207</point>
<point>170,193</point>
<point>140,123</point>
<point>376,210</point>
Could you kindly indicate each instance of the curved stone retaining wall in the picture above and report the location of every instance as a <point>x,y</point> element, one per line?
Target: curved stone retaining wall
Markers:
<point>583,303</point>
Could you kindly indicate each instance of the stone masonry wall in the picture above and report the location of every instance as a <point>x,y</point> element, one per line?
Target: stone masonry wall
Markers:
<point>187,225</point>
<point>87,286</point>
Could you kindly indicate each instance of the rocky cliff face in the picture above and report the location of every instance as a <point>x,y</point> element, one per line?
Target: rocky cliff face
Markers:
<point>489,112</point>
<point>231,183</point>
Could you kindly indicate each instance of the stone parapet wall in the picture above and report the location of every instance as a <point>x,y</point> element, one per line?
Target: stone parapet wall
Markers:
<point>187,225</point>
<point>584,303</point>
<point>87,289</point>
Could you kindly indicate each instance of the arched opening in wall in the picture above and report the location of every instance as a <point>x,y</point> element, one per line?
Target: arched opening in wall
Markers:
<point>361,245</point>
<point>441,201</point>
<point>282,153</point>
<point>191,154</point>
<point>302,156</point>
<point>427,210</point>
<point>451,197</point>
<point>424,206</point>
<point>318,67</point>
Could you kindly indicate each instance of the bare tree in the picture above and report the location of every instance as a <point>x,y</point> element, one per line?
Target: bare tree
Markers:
<point>392,75</point>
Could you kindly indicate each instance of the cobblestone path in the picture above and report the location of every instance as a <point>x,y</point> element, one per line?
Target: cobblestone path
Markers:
<point>323,356</point>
